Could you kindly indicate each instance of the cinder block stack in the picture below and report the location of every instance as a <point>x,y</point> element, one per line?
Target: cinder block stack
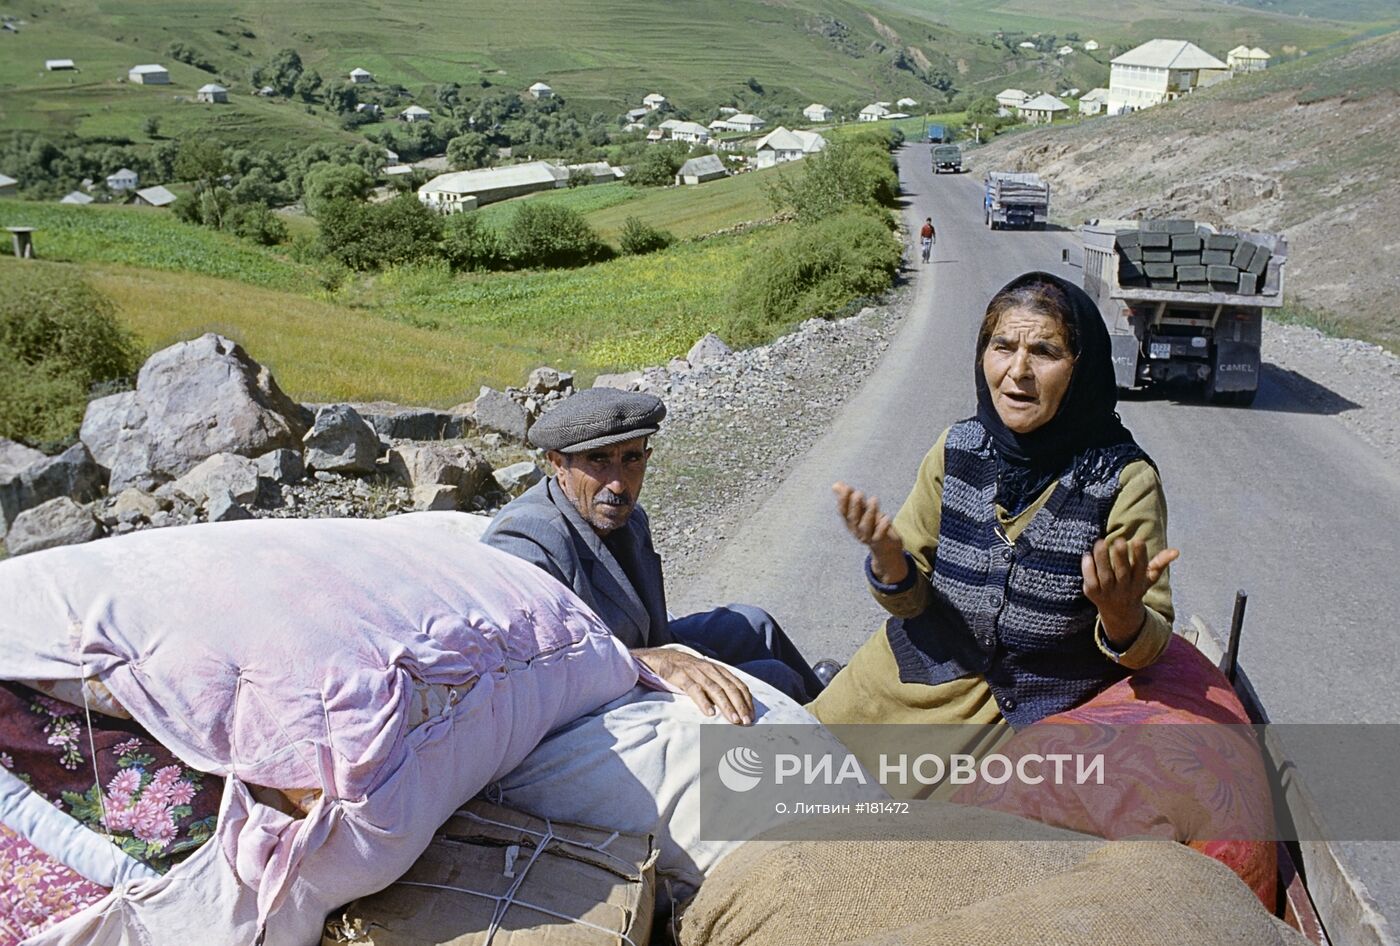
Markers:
<point>1180,256</point>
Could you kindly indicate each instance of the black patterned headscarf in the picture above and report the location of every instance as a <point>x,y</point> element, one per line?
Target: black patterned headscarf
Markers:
<point>1085,434</point>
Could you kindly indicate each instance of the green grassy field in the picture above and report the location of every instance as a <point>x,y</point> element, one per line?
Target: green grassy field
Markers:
<point>150,239</point>
<point>418,334</point>
<point>1215,26</point>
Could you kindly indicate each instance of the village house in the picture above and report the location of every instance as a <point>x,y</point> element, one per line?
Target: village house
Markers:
<point>540,91</point>
<point>819,114</point>
<point>124,180</point>
<point>635,115</point>
<point>1044,109</point>
<point>59,65</point>
<point>873,112</point>
<point>465,190</point>
<point>211,93</point>
<point>415,113</point>
<point>719,125</point>
<point>1093,102</point>
<point>1159,71</point>
<point>391,155</point>
<point>1243,59</point>
<point>592,172</point>
<point>691,132</point>
<point>149,74</point>
<point>369,108</point>
<point>656,134</point>
<point>1092,45</point>
<point>726,110</point>
<point>654,101</point>
<point>741,121</point>
<point>361,76</point>
<point>781,145</point>
<point>156,196</point>
<point>706,167</point>
<point>268,92</point>
<point>1064,50</point>
<point>1009,100</point>
<point>906,103</point>
<point>1027,45</point>
<point>9,187</point>
<point>392,171</point>
<point>75,197</point>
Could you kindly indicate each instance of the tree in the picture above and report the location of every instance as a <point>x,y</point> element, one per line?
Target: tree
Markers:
<point>281,72</point>
<point>151,126</point>
<point>329,183</point>
<point>341,98</point>
<point>469,150</point>
<point>201,161</point>
<point>368,236</point>
<point>658,165</point>
<point>308,86</point>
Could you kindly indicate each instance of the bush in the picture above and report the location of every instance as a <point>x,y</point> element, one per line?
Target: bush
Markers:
<point>371,236</point>
<point>58,338</point>
<point>639,237</point>
<point>256,222</point>
<point>327,182</point>
<point>469,243</point>
<point>657,166</point>
<point>546,235</point>
<point>826,265</point>
<point>857,172</point>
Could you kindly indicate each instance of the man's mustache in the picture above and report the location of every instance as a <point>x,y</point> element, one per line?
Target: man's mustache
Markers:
<point>608,498</point>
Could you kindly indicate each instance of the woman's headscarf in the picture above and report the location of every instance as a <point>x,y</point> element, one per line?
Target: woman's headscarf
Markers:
<point>1085,434</point>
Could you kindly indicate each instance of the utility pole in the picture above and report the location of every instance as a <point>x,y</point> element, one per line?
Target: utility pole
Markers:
<point>977,131</point>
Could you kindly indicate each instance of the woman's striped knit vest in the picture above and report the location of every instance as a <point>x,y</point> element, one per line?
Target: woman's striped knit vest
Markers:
<point>1014,612</point>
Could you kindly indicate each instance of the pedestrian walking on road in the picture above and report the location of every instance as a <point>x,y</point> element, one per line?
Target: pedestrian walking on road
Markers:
<point>926,237</point>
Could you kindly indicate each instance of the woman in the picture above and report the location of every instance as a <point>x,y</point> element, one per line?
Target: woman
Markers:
<point>1028,568</point>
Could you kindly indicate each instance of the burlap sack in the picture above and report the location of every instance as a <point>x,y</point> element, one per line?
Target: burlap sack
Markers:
<point>799,893</point>
<point>1133,893</point>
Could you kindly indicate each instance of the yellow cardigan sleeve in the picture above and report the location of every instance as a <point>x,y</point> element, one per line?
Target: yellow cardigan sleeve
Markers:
<point>1140,511</point>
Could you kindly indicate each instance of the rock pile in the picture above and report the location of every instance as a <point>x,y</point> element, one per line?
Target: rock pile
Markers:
<point>207,435</point>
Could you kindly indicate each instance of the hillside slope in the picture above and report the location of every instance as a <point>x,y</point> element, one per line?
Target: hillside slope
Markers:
<point>1311,149</point>
<point>600,55</point>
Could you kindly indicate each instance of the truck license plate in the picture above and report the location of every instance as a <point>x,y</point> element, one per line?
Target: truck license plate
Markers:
<point>1160,350</point>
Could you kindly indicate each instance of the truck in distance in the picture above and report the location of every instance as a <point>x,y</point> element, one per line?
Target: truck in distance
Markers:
<point>939,134</point>
<point>946,158</point>
<point>1015,200</point>
<point>1184,302</point>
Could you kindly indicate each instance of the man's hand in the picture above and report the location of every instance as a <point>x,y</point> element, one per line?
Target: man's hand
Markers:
<point>1115,579</point>
<point>712,686</point>
<point>873,529</point>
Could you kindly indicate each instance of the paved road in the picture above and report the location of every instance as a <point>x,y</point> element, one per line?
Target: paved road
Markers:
<point>1276,499</point>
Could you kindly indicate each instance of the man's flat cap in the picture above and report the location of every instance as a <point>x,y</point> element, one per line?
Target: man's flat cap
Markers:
<point>597,417</point>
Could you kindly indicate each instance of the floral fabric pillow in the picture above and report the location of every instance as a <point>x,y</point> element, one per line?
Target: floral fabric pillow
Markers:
<point>154,807</point>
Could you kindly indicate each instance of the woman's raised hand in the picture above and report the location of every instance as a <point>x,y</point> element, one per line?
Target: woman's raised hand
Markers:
<point>873,529</point>
<point>1115,579</point>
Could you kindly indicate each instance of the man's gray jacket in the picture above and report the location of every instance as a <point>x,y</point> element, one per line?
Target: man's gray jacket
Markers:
<point>543,527</point>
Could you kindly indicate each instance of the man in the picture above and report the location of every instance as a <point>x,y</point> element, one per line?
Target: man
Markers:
<point>584,526</point>
<point>926,238</point>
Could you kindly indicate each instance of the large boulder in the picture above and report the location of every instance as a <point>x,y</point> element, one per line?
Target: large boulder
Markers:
<point>221,473</point>
<point>547,380</point>
<point>517,475</point>
<point>627,381</point>
<point>340,441</point>
<point>72,473</point>
<point>498,411</point>
<point>15,458</point>
<point>57,522</point>
<point>416,423</point>
<point>418,465</point>
<point>281,466</point>
<point>193,400</point>
<point>709,350</point>
<point>105,420</point>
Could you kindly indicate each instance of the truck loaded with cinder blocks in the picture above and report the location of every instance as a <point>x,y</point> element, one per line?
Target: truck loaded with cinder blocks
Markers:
<point>1184,302</point>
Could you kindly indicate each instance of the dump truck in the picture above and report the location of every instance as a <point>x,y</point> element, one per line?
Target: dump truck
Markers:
<point>1016,200</point>
<point>1184,302</point>
<point>938,134</point>
<point>946,158</point>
